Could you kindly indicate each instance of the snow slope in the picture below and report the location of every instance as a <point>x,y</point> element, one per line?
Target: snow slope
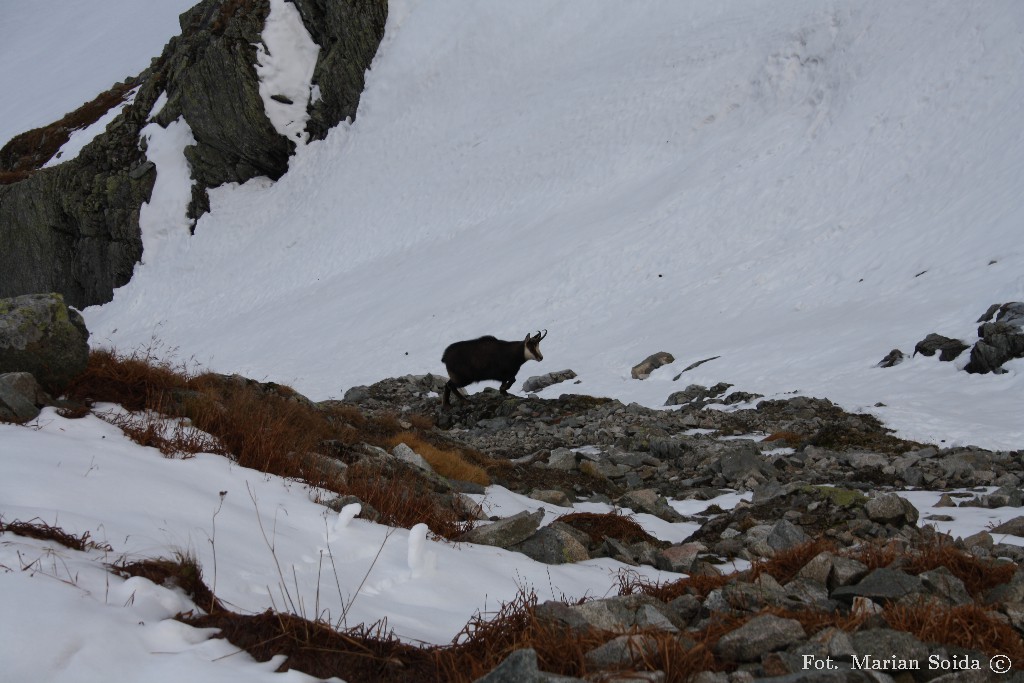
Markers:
<point>796,188</point>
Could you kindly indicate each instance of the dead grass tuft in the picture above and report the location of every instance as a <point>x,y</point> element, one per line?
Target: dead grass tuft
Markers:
<point>26,153</point>
<point>37,528</point>
<point>696,584</point>
<point>978,575</point>
<point>403,499</point>
<point>271,428</point>
<point>182,572</point>
<point>366,654</point>
<point>449,463</point>
<point>784,565</point>
<point>969,626</point>
<point>599,526</point>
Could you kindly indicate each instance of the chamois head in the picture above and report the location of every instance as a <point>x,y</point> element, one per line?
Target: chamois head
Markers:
<point>531,346</point>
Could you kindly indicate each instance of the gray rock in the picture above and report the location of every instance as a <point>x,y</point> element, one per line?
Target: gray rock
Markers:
<point>887,644</point>
<point>943,583</point>
<point>744,461</point>
<point>784,535</point>
<point>536,383</point>
<point>39,334</point>
<point>881,584</point>
<point>894,357</point>
<point>621,651</point>
<point>619,614</point>
<point>1000,340</point>
<point>679,558</point>
<point>644,369</point>
<point>411,457</point>
<point>552,545</point>
<point>892,509</point>
<point>759,636</point>
<point>551,496</point>
<point>506,532</point>
<point>521,667</point>
<point>562,459</point>
<point>21,397</point>
<point>1014,527</point>
<point>947,348</point>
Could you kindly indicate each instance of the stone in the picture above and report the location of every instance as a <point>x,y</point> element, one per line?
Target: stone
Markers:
<point>506,532</point>
<point>411,457</point>
<point>552,545</point>
<point>537,383</point>
<point>893,358</point>
<point>521,667</point>
<point>41,335</point>
<point>890,508</point>
<point>785,535</point>
<point>1000,340</point>
<point>562,459</point>
<point>881,584</point>
<point>947,348</point>
<point>616,615</point>
<point>551,496</point>
<point>644,369</point>
<point>679,558</point>
<point>759,636</point>
<point>621,651</point>
<point>1014,527</point>
<point>21,397</point>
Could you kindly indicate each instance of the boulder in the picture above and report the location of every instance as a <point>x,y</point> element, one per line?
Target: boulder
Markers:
<point>534,384</point>
<point>21,397</point>
<point>644,369</point>
<point>552,545</point>
<point>507,532</point>
<point>1001,339</point>
<point>947,348</point>
<point>891,508</point>
<point>40,335</point>
<point>759,636</point>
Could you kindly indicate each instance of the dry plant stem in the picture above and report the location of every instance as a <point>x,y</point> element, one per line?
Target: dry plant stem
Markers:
<point>273,553</point>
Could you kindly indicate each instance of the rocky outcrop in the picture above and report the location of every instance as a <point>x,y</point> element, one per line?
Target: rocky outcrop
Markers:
<point>41,336</point>
<point>1000,339</point>
<point>74,228</point>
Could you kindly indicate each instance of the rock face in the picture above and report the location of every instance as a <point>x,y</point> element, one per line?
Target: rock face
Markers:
<point>40,335</point>
<point>74,228</point>
<point>1001,338</point>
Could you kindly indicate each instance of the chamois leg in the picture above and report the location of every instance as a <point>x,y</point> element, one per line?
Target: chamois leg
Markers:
<point>449,389</point>
<point>505,386</point>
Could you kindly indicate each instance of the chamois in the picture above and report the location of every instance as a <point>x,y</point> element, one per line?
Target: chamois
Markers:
<point>476,360</point>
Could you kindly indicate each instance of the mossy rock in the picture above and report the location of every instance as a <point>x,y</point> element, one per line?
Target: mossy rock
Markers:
<point>40,335</point>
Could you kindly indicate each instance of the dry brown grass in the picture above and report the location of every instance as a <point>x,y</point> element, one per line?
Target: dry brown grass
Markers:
<point>26,153</point>
<point>969,626</point>
<point>267,427</point>
<point>978,574</point>
<point>37,528</point>
<point>784,565</point>
<point>599,526</point>
<point>183,572</point>
<point>447,462</point>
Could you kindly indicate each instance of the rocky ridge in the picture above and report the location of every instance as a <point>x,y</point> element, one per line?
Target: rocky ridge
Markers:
<point>822,487</point>
<point>74,228</point>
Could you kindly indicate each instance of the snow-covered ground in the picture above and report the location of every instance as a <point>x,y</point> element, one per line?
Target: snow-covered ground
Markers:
<point>796,188</point>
